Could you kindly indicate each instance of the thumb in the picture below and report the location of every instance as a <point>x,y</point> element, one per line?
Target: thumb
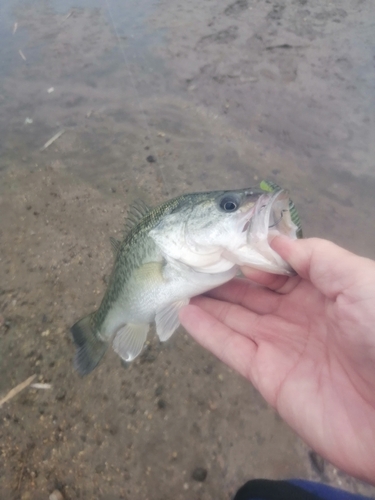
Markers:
<point>329,267</point>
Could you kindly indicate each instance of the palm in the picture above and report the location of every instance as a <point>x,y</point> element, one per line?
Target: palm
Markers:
<point>307,355</point>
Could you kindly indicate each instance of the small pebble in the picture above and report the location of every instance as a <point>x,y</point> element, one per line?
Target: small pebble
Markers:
<point>56,495</point>
<point>151,159</point>
<point>100,468</point>
<point>161,404</point>
<point>159,390</point>
<point>199,474</point>
<point>60,395</point>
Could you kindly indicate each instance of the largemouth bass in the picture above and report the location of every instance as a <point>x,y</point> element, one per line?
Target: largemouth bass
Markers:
<point>182,248</point>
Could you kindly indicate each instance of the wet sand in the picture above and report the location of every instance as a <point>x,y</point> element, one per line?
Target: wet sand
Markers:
<point>221,95</point>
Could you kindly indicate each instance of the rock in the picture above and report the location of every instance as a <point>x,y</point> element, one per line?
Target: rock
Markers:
<point>236,7</point>
<point>100,468</point>
<point>277,12</point>
<point>224,36</point>
<point>159,390</point>
<point>56,495</point>
<point>60,395</point>
<point>151,159</point>
<point>147,356</point>
<point>161,404</point>
<point>199,474</point>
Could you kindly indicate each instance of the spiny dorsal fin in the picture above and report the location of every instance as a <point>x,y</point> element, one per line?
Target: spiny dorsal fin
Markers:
<point>115,244</point>
<point>136,212</point>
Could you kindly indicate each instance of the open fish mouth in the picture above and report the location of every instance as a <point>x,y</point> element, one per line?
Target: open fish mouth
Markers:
<point>274,214</point>
<point>268,212</point>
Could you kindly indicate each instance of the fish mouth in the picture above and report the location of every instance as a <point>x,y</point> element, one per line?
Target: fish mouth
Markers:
<point>272,217</point>
<point>268,212</point>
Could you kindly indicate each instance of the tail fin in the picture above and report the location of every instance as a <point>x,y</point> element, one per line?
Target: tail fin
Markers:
<point>90,349</point>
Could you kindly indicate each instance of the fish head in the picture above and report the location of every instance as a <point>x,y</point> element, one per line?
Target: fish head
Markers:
<point>220,220</point>
<point>202,225</point>
<point>215,231</point>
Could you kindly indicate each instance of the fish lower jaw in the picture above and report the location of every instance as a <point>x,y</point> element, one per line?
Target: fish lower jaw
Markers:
<point>263,259</point>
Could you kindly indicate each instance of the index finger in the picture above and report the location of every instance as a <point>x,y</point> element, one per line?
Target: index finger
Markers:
<point>234,349</point>
<point>275,282</point>
<point>239,291</point>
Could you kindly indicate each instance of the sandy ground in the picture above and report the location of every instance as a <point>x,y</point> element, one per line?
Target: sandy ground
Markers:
<point>222,95</point>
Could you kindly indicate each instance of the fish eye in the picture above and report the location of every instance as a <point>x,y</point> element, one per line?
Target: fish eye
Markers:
<point>229,204</point>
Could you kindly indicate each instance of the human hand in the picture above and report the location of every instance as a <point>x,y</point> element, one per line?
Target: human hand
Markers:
<point>307,343</point>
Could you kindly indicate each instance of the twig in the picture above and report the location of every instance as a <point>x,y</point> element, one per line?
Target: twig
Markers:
<point>22,54</point>
<point>21,475</point>
<point>15,28</point>
<point>13,392</point>
<point>286,46</point>
<point>52,140</point>
<point>67,17</point>
<point>41,386</point>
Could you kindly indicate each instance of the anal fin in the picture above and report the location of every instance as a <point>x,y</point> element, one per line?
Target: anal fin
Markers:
<point>129,340</point>
<point>167,320</point>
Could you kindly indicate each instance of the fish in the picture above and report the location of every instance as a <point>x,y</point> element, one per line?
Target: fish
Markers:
<point>182,248</point>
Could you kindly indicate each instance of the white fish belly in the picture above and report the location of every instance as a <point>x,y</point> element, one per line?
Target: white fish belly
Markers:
<point>140,304</point>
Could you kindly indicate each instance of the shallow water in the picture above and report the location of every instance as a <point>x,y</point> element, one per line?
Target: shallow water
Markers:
<point>220,95</point>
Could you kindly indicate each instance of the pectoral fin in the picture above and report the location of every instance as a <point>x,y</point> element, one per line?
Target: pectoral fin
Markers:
<point>129,340</point>
<point>167,320</point>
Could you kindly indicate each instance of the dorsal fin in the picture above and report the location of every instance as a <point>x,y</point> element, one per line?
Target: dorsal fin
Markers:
<point>115,244</point>
<point>136,212</point>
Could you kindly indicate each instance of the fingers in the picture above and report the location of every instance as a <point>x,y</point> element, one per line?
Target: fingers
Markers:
<point>230,347</point>
<point>233,316</point>
<point>275,282</point>
<point>240,291</point>
<point>271,281</point>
